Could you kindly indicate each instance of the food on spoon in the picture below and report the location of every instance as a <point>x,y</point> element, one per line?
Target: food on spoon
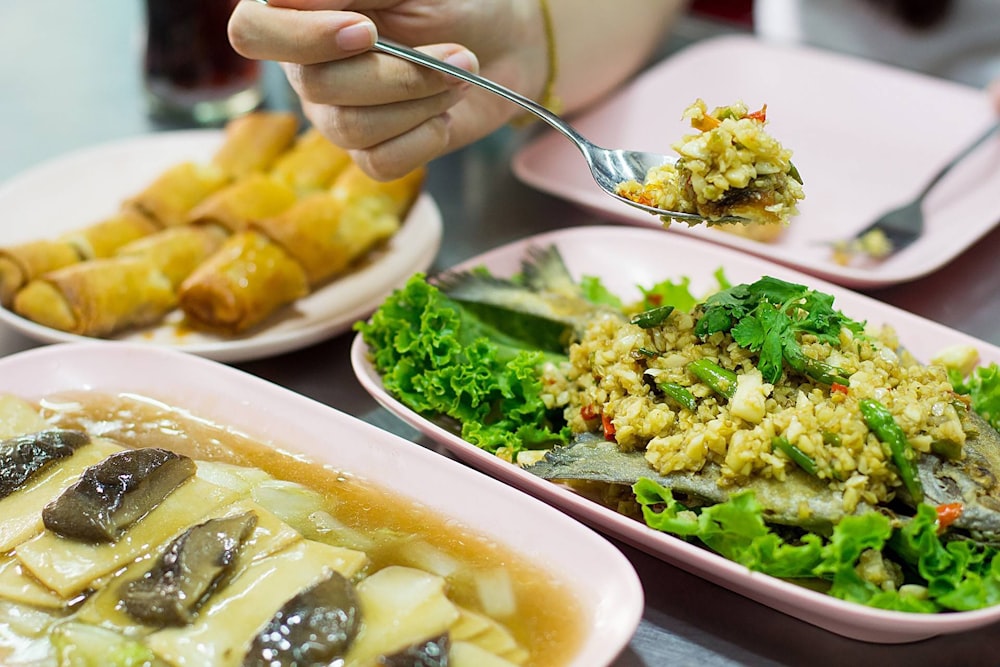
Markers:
<point>237,565</point>
<point>730,167</point>
<point>761,403</point>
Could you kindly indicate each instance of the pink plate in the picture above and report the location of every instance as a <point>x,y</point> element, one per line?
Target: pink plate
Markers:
<point>866,137</point>
<point>599,575</point>
<point>624,257</point>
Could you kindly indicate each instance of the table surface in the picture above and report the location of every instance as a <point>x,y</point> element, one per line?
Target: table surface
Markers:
<point>70,79</point>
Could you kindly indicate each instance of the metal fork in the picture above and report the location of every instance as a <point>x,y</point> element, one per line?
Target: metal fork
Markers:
<point>901,226</point>
<point>609,167</point>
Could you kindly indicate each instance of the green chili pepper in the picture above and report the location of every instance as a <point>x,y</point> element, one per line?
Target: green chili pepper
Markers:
<point>798,456</point>
<point>831,438</point>
<point>885,428</point>
<point>721,380</point>
<point>815,369</point>
<point>652,317</point>
<point>679,394</point>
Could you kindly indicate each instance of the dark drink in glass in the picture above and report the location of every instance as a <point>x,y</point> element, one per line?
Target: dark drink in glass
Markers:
<point>191,71</point>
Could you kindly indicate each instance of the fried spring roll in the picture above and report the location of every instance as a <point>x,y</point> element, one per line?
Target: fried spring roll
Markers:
<point>98,297</point>
<point>172,195</point>
<point>327,232</point>
<point>135,288</point>
<point>21,263</point>
<point>251,198</point>
<point>311,164</point>
<point>177,251</point>
<point>253,142</point>
<point>245,281</point>
<point>104,238</point>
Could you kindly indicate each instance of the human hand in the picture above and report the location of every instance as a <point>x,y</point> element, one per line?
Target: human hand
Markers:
<point>994,92</point>
<point>390,114</point>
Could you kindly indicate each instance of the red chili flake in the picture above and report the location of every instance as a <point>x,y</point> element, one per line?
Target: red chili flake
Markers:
<point>587,412</point>
<point>838,388</point>
<point>609,428</point>
<point>947,514</point>
<point>760,115</point>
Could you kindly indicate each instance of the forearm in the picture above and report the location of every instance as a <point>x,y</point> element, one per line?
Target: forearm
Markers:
<point>600,44</point>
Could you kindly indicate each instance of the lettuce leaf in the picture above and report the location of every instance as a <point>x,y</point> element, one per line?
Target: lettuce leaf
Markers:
<point>956,575</point>
<point>983,388</point>
<point>440,360</point>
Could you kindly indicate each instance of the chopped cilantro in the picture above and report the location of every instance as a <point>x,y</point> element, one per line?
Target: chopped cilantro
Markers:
<point>767,317</point>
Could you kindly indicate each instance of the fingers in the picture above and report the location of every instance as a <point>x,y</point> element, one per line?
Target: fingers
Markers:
<point>372,79</point>
<point>994,92</point>
<point>391,114</point>
<point>393,156</point>
<point>266,32</point>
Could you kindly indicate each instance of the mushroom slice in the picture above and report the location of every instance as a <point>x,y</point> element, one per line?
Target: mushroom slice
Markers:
<point>231,618</point>
<point>69,566</point>
<point>23,457</point>
<point>432,652</point>
<point>115,493</point>
<point>316,627</point>
<point>22,510</point>
<point>188,571</point>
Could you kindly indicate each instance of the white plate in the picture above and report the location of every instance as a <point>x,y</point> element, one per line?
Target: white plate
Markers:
<point>865,137</point>
<point>624,257</point>
<point>601,578</point>
<point>80,188</point>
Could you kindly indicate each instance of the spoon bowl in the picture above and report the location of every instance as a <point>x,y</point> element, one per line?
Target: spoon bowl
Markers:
<point>609,167</point>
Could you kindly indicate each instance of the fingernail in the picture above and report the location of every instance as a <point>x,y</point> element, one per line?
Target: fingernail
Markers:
<point>356,37</point>
<point>464,59</point>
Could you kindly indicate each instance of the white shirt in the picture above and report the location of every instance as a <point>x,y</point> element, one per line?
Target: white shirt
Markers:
<point>964,46</point>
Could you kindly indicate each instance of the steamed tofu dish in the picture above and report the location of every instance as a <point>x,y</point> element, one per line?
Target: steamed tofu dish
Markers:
<point>135,533</point>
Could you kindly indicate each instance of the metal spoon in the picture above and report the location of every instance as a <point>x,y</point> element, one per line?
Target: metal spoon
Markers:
<point>608,166</point>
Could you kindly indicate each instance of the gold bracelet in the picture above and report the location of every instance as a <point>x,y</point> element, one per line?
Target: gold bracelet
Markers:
<point>549,99</point>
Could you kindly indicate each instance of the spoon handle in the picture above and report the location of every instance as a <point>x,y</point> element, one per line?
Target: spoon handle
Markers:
<point>414,56</point>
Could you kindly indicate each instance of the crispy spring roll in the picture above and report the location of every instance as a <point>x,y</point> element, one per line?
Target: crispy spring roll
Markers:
<point>172,195</point>
<point>21,263</point>
<point>253,142</point>
<point>104,238</point>
<point>135,288</point>
<point>327,232</point>
<point>98,297</point>
<point>177,251</point>
<point>245,281</point>
<point>352,183</point>
<point>251,198</point>
<point>310,164</point>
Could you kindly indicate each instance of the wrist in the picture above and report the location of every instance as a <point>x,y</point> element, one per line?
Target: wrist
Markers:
<point>539,60</point>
